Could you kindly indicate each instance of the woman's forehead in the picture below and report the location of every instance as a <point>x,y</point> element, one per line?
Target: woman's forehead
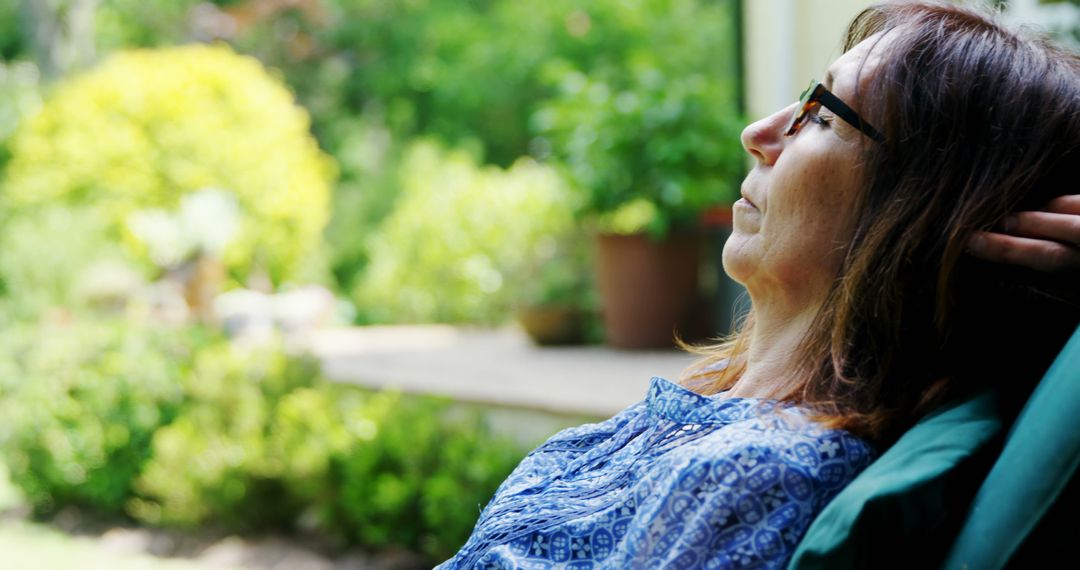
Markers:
<point>856,66</point>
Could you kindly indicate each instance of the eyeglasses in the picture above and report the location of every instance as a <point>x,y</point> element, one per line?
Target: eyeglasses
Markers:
<point>816,94</point>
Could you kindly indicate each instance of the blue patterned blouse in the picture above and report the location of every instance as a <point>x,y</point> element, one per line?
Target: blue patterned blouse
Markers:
<point>679,480</point>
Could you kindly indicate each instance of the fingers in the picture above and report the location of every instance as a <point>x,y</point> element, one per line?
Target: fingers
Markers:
<point>1063,227</point>
<point>1064,205</point>
<point>1038,254</point>
<point>1046,240</point>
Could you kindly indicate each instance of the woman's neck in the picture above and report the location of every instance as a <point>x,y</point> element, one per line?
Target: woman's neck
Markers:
<point>772,357</point>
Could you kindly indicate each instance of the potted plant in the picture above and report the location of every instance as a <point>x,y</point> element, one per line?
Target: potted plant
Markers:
<point>557,302</point>
<point>650,149</point>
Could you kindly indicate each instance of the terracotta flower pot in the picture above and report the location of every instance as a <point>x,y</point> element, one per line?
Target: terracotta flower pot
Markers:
<point>648,289</point>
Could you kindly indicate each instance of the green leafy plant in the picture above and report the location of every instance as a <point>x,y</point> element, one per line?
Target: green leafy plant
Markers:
<point>450,250</point>
<point>20,92</point>
<point>180,428</point>
<point>49,256</point>
<point>222,460</point>
<point>558,272</point>
<point>422,480</point>
<point>260,440</point>
<point>651,140</point>
<point>650,151</point>
<point>79,405</point>
<point>377,74</point>
<point>369,158</point>
<point>147,127</point>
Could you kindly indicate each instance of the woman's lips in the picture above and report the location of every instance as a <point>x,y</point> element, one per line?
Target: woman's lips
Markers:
<point>745,202</point>
<point>745,216</point>
<point>746,196</point>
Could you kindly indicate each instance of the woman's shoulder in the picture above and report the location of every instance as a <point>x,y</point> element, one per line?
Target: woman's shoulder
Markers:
<point>586,435</point>
<point>753,485</point>
<point>781,439</point>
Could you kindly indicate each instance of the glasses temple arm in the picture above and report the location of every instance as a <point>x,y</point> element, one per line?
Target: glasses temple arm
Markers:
<point>849,115</point>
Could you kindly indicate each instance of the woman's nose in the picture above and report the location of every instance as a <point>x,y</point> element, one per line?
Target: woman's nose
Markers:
<point>764,139</point>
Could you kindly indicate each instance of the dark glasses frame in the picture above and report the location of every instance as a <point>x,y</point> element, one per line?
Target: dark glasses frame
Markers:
<point>817,94</point>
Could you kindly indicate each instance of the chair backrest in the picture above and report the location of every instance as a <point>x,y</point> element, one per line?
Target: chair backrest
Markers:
<point>905,509</point>
<point>906,496</point>
<point>1040,458</point>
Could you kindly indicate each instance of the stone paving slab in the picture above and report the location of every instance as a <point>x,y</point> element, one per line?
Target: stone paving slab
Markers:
<point>492,367</point>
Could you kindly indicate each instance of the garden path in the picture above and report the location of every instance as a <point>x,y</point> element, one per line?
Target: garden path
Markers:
<point>500,367</point>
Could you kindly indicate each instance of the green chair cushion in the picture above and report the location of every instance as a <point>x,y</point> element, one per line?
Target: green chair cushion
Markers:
<point>907,496</point>
<point>1040,457</point>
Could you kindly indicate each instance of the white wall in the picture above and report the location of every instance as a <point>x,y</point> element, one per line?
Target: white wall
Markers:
<point>788,43</point>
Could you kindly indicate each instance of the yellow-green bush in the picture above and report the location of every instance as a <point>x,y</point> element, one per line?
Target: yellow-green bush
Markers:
<point>455,246</point>
<point>148,126</point>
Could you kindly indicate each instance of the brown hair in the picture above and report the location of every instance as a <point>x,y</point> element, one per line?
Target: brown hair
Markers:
<point>979,121</point>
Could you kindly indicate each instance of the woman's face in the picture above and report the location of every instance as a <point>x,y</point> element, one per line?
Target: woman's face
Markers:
<point>797,211</point>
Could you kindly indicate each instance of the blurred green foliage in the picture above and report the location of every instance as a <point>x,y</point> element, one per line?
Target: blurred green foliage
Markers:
<point>369,161</point>
<point>49,257</point>
<point>455,246</point>
<point>558,272</point>
<point>465,135</point>
<point>474,70</point>
<point>126,24</point>
<point>13,40</point>
<point>655,147</point>
<point>180,427</point>
<point>20,95</point>
<point>217,461</point>
<point>476,74</point>
<point>635,97</point>
<point>424,461</point>
<point>79,406</point>
<point>146,127</point>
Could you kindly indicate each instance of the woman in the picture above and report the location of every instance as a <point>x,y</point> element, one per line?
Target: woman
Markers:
<point>931,130</point>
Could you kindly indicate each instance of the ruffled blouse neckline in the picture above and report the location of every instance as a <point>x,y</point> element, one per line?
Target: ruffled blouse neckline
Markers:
<point>671,401</point>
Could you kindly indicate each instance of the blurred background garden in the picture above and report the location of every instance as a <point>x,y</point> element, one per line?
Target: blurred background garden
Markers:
<point>191,190</point>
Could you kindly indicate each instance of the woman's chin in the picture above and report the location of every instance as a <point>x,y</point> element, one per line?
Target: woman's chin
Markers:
<point>737,259</point>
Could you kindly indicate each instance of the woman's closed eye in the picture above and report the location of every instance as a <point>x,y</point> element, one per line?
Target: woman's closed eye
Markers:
<point>818,119</point>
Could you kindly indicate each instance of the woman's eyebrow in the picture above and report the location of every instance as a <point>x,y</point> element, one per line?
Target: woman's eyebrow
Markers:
<point>827,82</point>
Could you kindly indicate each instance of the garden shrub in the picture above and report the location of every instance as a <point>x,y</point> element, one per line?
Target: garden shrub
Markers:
<point>224,460</point>
<point>180,428</point>
<point>20,94</point>
<point>79,405</point>
<point>422,480</point>
<point>367,190</point>
<point>48,255</point>
<point>458,238</point>
<point>148,126</point>
<point>472,75</point>
<point>378,470</point>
